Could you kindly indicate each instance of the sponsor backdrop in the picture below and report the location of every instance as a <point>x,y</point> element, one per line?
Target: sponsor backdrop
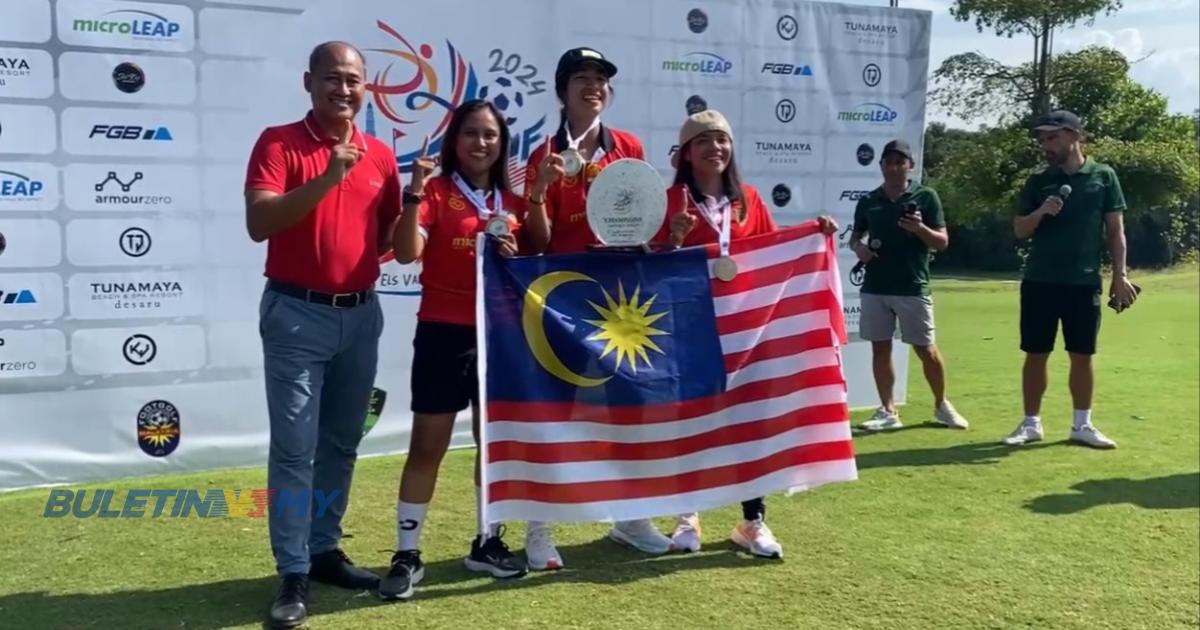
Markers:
<point>128,287</point>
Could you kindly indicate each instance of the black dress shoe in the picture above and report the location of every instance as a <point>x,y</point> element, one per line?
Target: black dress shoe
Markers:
<point>334,567</point>
<point>290,608</point>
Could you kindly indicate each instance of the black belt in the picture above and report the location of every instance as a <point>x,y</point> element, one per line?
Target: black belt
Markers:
<point>336,300</point>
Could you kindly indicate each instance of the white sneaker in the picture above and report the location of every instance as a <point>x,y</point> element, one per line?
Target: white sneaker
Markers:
<point>641,535</point>
<point>1091,436</point>
<point>755,537</point>
<point>686,536</point>
<point>947,415</point>
<point>882,420</point>
<point>1028,432</point>
<point>540,551</point>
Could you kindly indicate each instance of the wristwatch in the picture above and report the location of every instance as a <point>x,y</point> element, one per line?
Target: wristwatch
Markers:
<point>409,196</point>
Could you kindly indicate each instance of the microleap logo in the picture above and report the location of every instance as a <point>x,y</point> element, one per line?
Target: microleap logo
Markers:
<point>137,24</point>
<point>16,186</point>
<point>870,114</point>
<point>702,63</point>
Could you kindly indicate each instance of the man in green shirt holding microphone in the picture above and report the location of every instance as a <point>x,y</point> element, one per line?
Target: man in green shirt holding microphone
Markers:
<point>1069,209</point>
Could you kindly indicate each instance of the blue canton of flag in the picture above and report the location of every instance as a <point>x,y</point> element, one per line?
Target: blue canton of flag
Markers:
<point>600,328</point>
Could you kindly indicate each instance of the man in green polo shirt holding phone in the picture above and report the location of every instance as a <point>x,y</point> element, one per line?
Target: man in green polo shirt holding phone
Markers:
<point>1069,209</point>
<point>903,222</point>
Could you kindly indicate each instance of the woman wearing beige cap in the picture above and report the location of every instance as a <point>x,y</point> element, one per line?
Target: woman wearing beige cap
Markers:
<point>709,203</point>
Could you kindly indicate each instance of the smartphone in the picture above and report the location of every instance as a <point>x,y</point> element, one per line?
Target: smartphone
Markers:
<point>1112,302</point>
<point>910,208</point>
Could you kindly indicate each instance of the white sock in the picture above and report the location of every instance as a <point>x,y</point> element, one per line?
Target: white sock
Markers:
<point>410,518</point>
<point>536,525</point>
<point>1033,419</point>
<point>493,528</point>
<point>1083,417</point>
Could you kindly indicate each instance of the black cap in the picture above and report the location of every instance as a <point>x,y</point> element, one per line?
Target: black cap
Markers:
<point>1061,119</point>
<point>898,146</point>
<point>572,59</point>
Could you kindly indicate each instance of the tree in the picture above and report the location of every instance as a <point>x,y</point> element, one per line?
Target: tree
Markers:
<point>1031,83</point>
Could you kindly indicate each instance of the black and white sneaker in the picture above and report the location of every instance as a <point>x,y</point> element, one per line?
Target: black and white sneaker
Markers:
<point>406,572</point>
<point>492,556</point>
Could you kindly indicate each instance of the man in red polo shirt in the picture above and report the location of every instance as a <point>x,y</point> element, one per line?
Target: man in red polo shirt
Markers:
<point>324,196</point>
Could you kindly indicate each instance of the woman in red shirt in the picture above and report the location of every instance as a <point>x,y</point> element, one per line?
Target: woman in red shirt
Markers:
<point>709,203</point>
<point>556,183</point>
<point>442,218</point>
<point>561,170</point>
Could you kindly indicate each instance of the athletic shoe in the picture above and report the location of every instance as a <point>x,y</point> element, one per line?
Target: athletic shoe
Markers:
<point>686,536</point>
<point>406,572</point>
<point>947,415</point>
<point>540,551</point>
<point>492,556</point>
<point>1091,436</point>
<point>1028,432</point>
<point>882,420</point>
<point>755,537</point>
<point>641,535</point>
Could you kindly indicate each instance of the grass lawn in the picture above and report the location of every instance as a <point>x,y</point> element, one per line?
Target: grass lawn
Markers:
<point>943,530</point>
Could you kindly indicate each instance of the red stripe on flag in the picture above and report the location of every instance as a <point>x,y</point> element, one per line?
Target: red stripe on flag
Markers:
<point>626,489</point>
<point>782,235</point>
<point>506,411</point>
<point>787,307</point>
<point>781,347</point>
<point>594,451</point>
<point>772,275</point>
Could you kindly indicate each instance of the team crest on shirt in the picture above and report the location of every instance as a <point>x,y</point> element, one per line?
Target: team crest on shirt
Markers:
<point>457,202</point>
<point>593,170</point>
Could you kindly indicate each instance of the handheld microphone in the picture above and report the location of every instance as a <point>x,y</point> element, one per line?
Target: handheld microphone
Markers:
<point>1064,192</point>
<point>874,245</point>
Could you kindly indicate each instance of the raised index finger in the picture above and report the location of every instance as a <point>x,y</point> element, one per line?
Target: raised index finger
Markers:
<point>425,148</point>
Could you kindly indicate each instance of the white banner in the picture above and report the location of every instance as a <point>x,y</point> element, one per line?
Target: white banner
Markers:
<point>126,275</point>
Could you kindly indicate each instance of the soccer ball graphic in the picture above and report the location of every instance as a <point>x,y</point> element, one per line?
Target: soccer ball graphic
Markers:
<point>507,98</point>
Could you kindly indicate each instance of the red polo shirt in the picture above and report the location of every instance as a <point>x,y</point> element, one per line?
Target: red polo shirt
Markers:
<point>450,224</point>
<point>566,199</point>
<point>754,221</point>
<point>335,248</point>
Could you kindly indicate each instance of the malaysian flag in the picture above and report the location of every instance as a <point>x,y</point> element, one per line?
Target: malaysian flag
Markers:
<point>617,386</point>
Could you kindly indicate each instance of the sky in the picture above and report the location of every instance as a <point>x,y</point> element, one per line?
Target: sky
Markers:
<point>1165,32</point>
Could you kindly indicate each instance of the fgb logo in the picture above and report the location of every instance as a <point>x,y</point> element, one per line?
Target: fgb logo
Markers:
<point>131,132</point>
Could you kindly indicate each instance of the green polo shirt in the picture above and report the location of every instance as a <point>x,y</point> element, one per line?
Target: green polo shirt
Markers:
<point>902,265</point>
<point>1066,248</point>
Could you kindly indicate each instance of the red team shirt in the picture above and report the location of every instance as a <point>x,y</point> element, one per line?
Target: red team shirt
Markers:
<point>566,199</point>
<point>335,248</point>
<point>757,220</point>
<point>450,225</point>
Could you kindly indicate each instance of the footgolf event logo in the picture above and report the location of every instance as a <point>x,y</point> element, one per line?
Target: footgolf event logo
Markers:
<point>185,503</point>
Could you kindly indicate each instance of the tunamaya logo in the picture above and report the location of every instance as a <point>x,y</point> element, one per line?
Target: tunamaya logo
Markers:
<point>14,68</point>
<point>782,152</point>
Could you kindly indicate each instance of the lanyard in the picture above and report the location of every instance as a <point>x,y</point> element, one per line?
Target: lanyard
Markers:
<point>722,211</point>
<point>478,200</point>
<point>572,141</point>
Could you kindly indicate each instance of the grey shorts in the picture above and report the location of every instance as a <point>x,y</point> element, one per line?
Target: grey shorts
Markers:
<point>877,322</point>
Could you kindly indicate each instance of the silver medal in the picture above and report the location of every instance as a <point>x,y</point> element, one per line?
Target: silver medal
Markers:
<point>725,269</point>
<point>572,162</point>
<point>498,226</point>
